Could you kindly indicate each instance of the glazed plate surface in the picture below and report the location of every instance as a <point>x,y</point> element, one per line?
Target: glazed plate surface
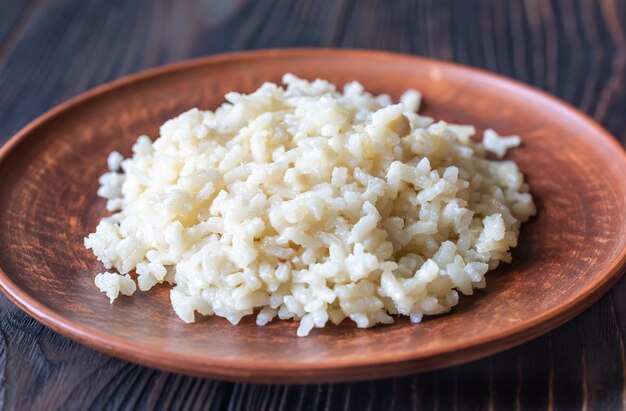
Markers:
<point>568,256</point>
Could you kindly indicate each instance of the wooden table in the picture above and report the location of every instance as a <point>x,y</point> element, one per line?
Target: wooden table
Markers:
<point>575,49</point>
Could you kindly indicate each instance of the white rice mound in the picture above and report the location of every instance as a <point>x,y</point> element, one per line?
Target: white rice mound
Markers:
<point>310,204</point>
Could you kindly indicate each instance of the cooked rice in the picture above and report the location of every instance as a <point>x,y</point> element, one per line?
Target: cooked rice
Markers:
<point>310,204</point>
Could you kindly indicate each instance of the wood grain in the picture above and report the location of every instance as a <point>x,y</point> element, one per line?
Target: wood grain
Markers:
<point>67,46</point>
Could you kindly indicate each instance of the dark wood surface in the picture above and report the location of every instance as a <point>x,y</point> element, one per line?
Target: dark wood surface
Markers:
<point>52,50</point>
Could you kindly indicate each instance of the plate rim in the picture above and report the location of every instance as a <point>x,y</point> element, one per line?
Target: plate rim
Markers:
<point>378,367</point>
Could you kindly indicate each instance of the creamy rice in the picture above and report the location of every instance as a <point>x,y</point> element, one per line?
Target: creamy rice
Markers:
<point>310,204</point>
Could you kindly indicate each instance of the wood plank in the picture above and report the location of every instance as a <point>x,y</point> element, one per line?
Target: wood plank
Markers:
<point>14,18</point>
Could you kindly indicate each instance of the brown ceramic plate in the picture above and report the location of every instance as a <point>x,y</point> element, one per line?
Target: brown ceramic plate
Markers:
<point>568,256</point>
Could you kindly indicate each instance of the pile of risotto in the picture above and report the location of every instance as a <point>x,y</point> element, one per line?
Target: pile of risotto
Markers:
<point>301,202</point>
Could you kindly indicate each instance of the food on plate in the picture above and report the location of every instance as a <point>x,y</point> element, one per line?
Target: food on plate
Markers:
<point>303,202</point>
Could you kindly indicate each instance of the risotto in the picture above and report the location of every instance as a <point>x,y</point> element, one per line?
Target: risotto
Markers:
<point>306,203</point>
